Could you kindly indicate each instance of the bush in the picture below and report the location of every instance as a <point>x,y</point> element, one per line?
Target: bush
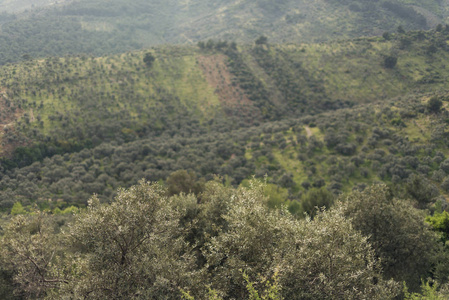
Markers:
<point>396,230</point>
<point>434,105</point>
<point>149,59</point>
<point>390,62</point>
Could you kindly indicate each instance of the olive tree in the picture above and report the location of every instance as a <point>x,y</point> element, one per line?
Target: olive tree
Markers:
<point>324,258</point>
<point>396,230</point>
<point>132,248</point>
<point>31,253</point>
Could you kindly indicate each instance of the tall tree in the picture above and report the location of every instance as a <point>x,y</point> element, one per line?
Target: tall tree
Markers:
<point>320,259</point>
<point>396,230</point>
<point>131,248</point>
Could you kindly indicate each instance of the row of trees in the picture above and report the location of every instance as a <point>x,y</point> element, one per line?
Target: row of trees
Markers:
<point>119,99</point>
<point>339,154</point>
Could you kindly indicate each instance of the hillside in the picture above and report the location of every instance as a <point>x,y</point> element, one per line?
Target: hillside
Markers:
<point>303,115</point>
<point>254,165</point>
<point>14,6</point>
<point>397,139</point>
<point>61,101</point>
<point>94,28</point>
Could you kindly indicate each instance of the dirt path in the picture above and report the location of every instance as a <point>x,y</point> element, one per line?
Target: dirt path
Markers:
<point>9,116</point>
<point>308,131</point>
<point>31,115</point>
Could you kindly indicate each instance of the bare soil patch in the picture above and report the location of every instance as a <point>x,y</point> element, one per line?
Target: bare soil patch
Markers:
<point>9,113</point>
<point>231,95</point>
<point>308,131</point>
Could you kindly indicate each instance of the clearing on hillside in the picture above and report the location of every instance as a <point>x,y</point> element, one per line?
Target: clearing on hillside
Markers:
<point>232,97</point>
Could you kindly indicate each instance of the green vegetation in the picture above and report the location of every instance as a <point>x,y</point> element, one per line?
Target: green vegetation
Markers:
<point>20,5</point>
<point>223,243</point>
<point>349,139</point>
<point>91,27</point>
<point>80,125</point>
<point>148,245</point>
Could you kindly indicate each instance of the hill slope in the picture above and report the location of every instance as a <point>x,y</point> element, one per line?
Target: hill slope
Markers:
<point>78,125</point>
<point>99,27</point>
<point>340,150</point>
<point>63,101</point>
<point>12,6</point>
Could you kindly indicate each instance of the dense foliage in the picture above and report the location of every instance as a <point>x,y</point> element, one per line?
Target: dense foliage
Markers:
<point>81,125</point>
<point>319,123</point>
<point>147,245</point>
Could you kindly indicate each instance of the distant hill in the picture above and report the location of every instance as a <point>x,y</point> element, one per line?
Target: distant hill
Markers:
<point>13,6</point>
<point>114,26</point>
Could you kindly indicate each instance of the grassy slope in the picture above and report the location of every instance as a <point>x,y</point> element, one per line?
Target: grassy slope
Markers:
<point>383,151</point>
<point>67,104</point>
<point>421,138</point>
<point>298,79</point>
<point>82,91</point>
<point>354,70</point>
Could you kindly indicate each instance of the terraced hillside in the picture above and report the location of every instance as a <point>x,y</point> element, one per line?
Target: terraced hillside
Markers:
<point>304,115</point>
<point>269,107</point>
<point>73,102</point>
<point>401,140</point>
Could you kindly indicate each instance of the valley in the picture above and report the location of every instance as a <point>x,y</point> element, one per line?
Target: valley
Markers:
<point>213,150</point>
